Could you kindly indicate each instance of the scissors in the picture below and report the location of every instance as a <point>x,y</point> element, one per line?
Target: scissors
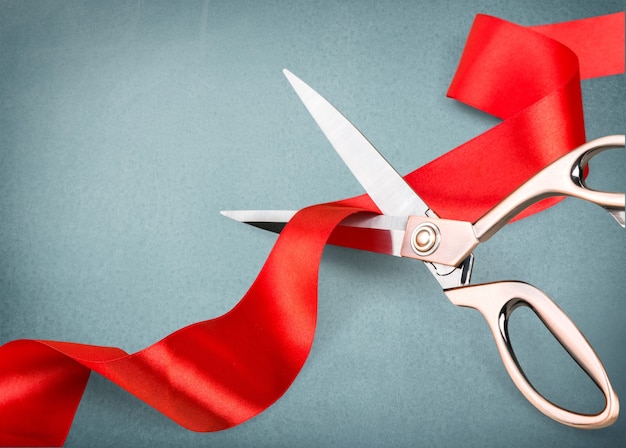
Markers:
<point>411,229</point>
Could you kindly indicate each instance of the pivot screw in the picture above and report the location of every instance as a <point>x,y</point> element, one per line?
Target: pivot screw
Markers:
<point>425,239</point>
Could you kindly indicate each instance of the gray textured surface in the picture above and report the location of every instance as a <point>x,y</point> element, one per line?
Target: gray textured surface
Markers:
<point>127,126</point>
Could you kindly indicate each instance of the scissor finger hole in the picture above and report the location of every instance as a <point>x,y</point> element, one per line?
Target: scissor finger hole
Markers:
<point>547,366</point>
<point>601,169</point>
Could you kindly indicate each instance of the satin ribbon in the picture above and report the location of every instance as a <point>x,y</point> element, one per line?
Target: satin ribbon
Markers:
<point>218,373</point>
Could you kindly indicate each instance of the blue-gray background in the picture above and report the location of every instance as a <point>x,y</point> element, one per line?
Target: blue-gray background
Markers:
<point>125,127</point>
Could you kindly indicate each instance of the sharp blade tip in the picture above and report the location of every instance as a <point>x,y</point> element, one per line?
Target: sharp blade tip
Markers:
<point>295,82</point>
<point>232,214</point>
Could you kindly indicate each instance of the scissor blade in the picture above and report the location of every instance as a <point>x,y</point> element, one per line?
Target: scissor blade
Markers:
<point>376,233</point>
<point>272,220</point>
<point>381,181</point>
<point>382,234</point>
<point>393,196</point>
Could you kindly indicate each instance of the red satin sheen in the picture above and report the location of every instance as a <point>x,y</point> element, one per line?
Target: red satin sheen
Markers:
<point>218,373</point>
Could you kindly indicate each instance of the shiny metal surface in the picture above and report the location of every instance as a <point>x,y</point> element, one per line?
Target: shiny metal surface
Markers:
<point>425,239</point>
<point>496,302</point>
<point>381,181</point>
<point>392,226</point>
<point>562,177</point>
<point>389,191</point>
<point>456,240</point>
<point>392,242</point>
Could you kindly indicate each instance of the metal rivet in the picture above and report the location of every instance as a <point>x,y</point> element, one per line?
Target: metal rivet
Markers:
<point>425,239</point>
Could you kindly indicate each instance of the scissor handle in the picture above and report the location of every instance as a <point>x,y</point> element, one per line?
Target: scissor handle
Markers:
<point>563,177</point>
<point>496,302</point>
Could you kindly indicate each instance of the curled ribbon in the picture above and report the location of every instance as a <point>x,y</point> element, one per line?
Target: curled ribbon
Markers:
<point>218,373</point>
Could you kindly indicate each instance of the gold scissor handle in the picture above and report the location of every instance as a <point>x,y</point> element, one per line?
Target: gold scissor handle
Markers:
<point>496,302</point>
<point>561,178</point>
<point>449,242</point>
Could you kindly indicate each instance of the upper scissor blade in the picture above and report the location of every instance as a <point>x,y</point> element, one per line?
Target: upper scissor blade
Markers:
<point>383,184</point>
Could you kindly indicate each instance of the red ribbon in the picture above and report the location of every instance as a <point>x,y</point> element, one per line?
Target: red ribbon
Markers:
<point>218,373</point>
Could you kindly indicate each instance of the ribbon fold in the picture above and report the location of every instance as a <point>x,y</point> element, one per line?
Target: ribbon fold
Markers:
<point>215,374</point>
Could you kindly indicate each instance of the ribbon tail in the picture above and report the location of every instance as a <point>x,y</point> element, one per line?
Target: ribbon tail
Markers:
<point>208,376</point>
<point>40,392</point>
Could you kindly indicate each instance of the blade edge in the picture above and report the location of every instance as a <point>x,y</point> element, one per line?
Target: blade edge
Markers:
<point>381,181</point>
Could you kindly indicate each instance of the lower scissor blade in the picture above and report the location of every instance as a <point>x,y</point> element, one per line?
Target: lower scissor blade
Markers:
<point>382,234</point>
<point>374,233</point>
<point>272,220</point>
